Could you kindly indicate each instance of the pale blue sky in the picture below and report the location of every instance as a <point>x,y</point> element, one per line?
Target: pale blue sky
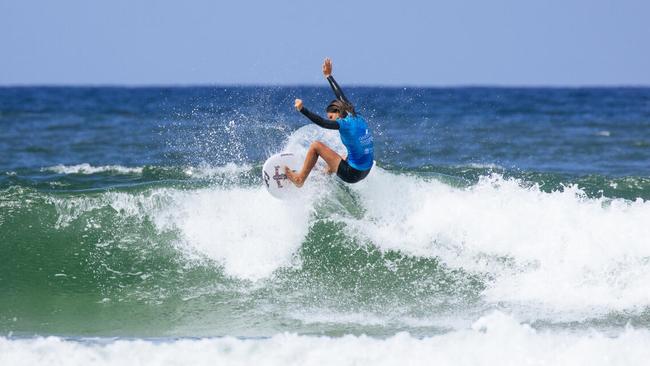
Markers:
<point>460,42</point>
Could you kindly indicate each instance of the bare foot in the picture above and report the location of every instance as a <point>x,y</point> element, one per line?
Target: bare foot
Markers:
<point>296,179</point>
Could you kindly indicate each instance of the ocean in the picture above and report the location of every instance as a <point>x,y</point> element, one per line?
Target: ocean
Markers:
<point>499,226</point>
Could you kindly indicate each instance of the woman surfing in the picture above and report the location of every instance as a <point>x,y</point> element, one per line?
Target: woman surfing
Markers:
<point>354,132</point>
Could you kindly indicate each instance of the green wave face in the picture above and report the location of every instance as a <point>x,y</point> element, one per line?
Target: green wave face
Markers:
<point>161,252</point>
<point>99,263</point>
<point>66,269</point>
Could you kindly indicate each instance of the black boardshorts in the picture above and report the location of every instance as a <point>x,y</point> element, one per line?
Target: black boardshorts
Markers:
<point>350,175</point>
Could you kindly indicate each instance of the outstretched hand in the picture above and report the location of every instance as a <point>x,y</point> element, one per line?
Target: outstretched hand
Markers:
<point>327,67</point>
<point>298,104</point>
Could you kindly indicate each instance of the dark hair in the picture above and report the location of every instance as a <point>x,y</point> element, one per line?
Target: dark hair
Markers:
<point>340,107</point>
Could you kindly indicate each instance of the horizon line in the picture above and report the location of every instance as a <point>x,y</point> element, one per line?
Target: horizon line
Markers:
<point>312,85</point>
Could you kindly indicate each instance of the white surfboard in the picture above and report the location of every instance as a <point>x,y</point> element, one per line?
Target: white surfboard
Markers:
<point>274,177</point>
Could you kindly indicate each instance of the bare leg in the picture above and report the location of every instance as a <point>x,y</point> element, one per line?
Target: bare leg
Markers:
<point>316,149</point>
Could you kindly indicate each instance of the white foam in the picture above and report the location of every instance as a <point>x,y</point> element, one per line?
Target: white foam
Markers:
<point>390,319</point>
<point>200,171</point>
<point>495,339</point>
<point>206,171</point>
<point>559,251</point>
<point>86,168</point>
<point>484,166</point>
<point>245,229</point>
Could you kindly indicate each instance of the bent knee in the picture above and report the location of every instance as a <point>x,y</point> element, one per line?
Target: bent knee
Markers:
<point>316,145</point>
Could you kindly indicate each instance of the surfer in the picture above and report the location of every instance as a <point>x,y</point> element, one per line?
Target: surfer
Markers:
<point>354,132</point>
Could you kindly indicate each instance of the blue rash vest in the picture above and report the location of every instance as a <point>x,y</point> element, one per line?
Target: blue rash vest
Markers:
<point>357,139</point>
<point>354,132</point>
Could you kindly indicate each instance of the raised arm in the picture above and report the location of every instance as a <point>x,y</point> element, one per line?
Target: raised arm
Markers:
<point>327,71</point>
<point>325,123</point>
